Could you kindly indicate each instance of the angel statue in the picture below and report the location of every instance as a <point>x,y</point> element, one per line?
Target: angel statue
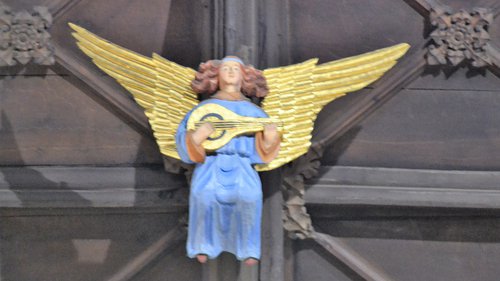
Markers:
<point>249,121</point>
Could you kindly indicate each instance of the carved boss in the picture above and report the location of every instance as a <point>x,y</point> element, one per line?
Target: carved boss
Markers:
<point>24,37</point>
<point>459,36</point>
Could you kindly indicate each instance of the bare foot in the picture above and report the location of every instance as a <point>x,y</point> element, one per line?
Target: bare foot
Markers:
<point>201,258</point>
<point>251,261</point>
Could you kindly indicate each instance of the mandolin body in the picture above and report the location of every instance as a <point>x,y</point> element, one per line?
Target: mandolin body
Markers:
<point>226,123</point>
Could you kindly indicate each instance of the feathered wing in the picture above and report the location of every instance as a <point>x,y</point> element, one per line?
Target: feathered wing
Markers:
<point>174,98</point>
<point>160,86</point>
<point>298,92</point>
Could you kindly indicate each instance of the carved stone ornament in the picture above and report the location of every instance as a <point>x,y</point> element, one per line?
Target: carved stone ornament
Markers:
<point>460,36</point>
<point>24,37</point>
<point>297,221</point>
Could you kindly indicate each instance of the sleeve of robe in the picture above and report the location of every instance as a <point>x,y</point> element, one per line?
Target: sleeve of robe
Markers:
<point>188,151</point>
<point>269,153</point>
<point>262,154</point>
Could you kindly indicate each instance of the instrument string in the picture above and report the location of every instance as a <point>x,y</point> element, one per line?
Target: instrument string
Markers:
<point>231,124</point>
<point>235,122</point>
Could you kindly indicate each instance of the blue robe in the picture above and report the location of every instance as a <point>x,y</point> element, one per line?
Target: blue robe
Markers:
<point>225,202</point>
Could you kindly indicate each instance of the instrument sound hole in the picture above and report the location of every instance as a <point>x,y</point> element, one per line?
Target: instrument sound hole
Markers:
<point>218,133</point>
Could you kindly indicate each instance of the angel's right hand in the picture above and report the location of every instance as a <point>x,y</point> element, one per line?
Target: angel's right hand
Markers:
<point>202,133</point>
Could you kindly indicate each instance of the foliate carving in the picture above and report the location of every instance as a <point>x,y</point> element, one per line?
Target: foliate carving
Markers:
<point>459,36</point>
<point>24,37</point>
<point>296,219</point>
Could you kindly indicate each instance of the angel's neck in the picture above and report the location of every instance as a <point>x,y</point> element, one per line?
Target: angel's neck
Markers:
<point>229,95</point>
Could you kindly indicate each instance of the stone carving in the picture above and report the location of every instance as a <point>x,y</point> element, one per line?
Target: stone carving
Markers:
<point>296,219</point>
<point>460,36</point>
<point>24,37</point>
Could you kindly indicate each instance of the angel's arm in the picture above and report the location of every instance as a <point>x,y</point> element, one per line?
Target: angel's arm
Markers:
<point>189,143</point>
<point>267,143</point>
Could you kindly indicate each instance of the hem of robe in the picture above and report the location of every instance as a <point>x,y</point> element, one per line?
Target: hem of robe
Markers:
<point>217,254</point>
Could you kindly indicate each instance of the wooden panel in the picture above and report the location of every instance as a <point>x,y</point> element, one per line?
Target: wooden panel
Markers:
<point>335,121</point>
<point>80,247</point>
<point>337,29</point>
<point>314,263</point>
<point>405,260</point>
<point>449,78</point>
<point>132,24</point>
<point>400,187</point>
<point>456,5</point>
<point>32,70</point>
<point>395,177</point>
<point>79,187</point>
<point>409,245</point>
<point>173,266</point>
<point>427,129</point>
<point>188,39</point>
<point>145,25</point>
<point>51,121</point>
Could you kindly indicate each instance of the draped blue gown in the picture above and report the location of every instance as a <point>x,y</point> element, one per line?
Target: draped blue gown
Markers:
<point>225,202</point>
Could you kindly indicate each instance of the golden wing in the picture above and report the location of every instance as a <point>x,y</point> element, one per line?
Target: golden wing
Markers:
<point>160,86</point>
<point>298,92</point>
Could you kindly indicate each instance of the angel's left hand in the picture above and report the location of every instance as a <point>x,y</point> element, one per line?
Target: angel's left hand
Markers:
<point>271,135</point>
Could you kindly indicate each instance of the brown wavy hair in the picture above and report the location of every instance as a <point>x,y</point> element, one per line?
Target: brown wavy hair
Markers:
<point>206,81</point>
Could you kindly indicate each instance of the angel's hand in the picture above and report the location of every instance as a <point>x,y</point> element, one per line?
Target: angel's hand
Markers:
<point>202,133</point>
<point>271,135</point>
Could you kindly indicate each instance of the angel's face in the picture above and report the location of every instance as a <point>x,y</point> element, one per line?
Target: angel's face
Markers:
<point>230,74</point>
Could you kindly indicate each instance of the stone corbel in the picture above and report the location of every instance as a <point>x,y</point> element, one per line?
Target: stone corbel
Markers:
<point>297,221</point>
<point>24,37</point>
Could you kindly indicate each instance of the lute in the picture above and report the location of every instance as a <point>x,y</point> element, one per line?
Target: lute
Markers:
<point>226,123</point>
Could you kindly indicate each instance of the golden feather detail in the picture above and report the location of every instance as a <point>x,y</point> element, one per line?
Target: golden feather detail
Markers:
<point>160,86</point>
<point>297,92</point>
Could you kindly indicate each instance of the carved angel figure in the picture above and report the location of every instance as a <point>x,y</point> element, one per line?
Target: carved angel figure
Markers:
<point>228,137</point>
<point>226,194</point>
